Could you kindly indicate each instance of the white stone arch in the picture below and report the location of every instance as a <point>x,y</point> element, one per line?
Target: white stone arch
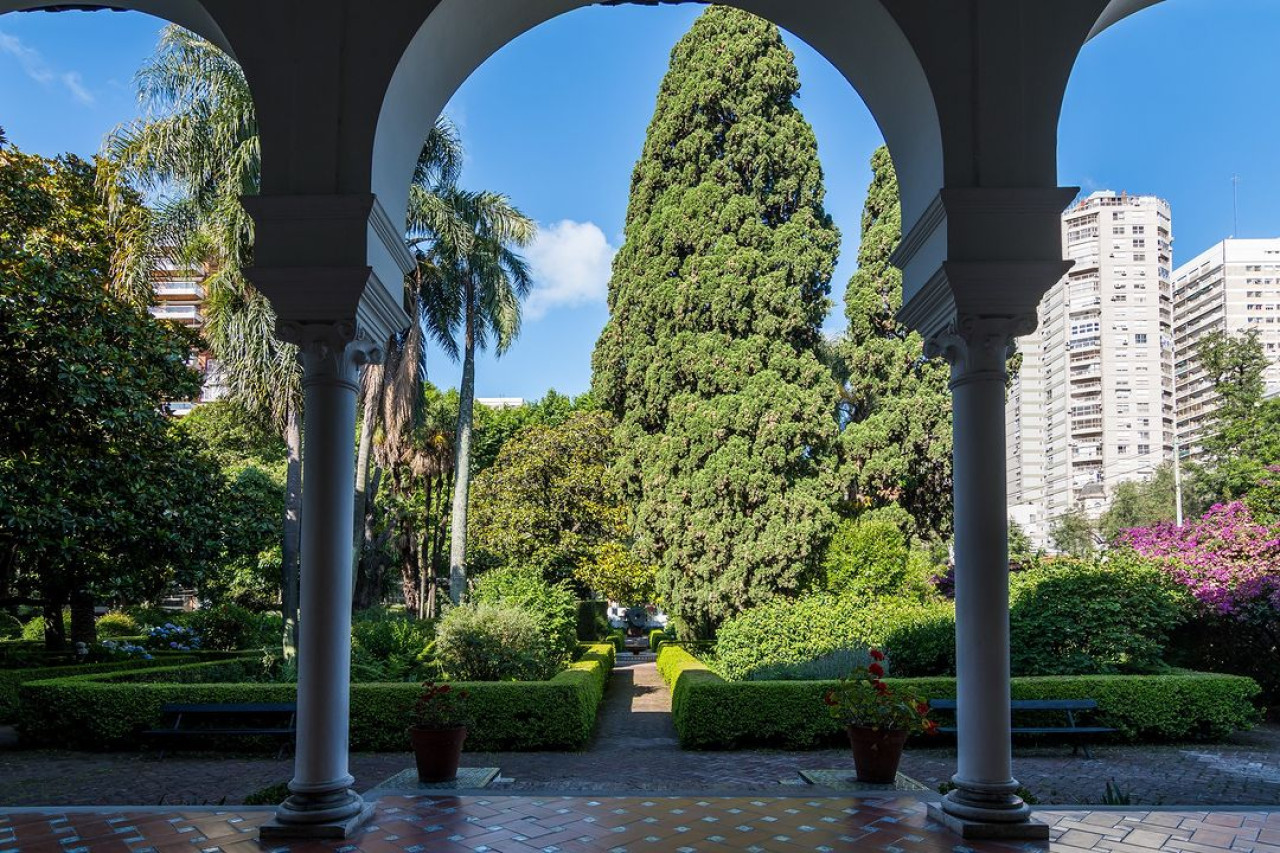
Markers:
<point>191,14</point>
<point>1118,10</point>
<point>858,37</point>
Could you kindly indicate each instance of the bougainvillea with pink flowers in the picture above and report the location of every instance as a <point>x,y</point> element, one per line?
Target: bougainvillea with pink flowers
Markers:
<point>1228,559</point>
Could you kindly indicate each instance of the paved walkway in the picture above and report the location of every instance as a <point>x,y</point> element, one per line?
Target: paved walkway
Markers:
<point>498,824</point>
<point>635,751</point>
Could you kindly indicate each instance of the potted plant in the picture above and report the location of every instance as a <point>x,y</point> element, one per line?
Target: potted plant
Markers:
<point>878,720</point>
<point>437,731</point>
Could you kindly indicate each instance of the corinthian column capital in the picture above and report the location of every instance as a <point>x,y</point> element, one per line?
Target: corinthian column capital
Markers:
<point>977,347</point>
<point>332,353</point>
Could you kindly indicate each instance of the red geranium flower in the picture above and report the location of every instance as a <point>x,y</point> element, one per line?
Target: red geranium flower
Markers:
<point>880,687</point>
<point>876,669</point>
<point>876,654</point>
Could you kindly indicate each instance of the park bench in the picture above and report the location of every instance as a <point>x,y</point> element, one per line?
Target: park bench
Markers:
<point>228,720</point>
<point>1067,706</point>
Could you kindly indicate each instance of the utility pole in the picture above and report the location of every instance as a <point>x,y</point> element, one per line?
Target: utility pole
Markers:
<point>1166,342</point>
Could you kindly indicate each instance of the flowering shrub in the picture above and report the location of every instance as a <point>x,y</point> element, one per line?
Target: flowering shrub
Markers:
<point>173,638</point>
<point>124,650</point>
<point>440,706</point>
<point>1227,560</point>
<point>863,698</point>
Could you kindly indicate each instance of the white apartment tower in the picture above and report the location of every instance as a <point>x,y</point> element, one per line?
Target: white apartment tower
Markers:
<point>1231,287</point>
<point>1093,405</point>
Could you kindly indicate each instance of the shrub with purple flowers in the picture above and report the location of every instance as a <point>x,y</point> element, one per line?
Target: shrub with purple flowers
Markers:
<point>1229,562</point>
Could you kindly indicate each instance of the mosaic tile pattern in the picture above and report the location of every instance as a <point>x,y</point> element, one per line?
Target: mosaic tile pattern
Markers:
<point>499,824</point>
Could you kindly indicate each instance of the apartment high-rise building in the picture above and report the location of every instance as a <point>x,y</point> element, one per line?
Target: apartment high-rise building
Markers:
<point>179,296</point>
<point>1231,287</point>
<point>1094,406</point>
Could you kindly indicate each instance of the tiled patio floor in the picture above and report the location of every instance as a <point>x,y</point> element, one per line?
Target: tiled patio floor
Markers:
<point>509,824</point>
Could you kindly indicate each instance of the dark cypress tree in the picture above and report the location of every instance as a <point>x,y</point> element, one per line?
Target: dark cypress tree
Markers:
<point>708,359</point>
<point>896,408</point>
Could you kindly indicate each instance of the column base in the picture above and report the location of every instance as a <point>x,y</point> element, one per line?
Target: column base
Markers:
<point>1022,830</point>
<point>337,815</point>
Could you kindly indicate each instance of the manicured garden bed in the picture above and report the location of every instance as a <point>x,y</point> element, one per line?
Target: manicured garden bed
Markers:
<point>108,709</point>
<point>12,679</point>
<point>712,713</point>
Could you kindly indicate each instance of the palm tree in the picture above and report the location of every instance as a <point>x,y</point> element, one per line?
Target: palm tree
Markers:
<point>194,152</point>
<point>470,281</point>
<point>391,392</point>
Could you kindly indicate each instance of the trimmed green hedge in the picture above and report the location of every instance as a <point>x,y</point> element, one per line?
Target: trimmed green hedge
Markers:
<point>12,679</point>
<point>711,713</point>
<point>107,710</point>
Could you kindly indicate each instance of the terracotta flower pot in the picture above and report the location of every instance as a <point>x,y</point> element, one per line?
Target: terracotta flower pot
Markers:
<point>437,752</point>
<point>876,753</point>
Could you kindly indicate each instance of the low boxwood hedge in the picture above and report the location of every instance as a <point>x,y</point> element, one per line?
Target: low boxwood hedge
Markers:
<point>711,713</point>
<point>12,679</point>
<point>108,709</point>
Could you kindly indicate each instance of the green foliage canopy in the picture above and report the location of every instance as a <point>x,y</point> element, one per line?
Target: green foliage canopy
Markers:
<point>895,406</point>
<point>717,297</point>
<point>548,501</point>
<point>98,494</point>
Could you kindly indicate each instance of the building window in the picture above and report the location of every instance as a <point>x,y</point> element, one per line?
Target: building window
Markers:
<point>1140,338</point>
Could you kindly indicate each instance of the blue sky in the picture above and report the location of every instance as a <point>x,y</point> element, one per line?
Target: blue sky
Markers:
<point>1174,102</point>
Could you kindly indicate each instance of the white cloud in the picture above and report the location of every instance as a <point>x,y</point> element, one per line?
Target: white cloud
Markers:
<point>38,69</point>
<point>570,262</point>
<point>75,83</point>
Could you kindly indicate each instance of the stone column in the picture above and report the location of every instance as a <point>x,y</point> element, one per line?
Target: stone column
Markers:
<point>322,803</point>
<point>984,803</point>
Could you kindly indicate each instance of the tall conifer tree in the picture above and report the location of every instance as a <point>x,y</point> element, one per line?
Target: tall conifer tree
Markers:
<point>896,409</point>
<point>708,359</point>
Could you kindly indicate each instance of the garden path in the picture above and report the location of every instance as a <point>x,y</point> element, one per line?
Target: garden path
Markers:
<point>636,711</point>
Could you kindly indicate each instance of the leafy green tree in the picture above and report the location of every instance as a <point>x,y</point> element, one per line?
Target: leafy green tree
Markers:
<point>470,281</point>
<point>1244,437</point>
<point>99,497</point>
<point>1020,550</point>
<point>1074,533</point>
<point>895,407</point>
<point>548,501</point>
<point>1146,503</point>
<point>614,572</point>
<point>247,571</point>
<point>234,434</point>
<point>868,556</point>
<point>716,302</point>
<point>495,427</point>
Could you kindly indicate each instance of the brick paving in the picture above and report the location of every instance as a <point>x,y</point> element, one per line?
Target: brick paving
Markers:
<point>522,824</point>
<point>634,751</point>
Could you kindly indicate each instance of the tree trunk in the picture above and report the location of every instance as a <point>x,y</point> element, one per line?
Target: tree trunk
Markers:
<point>410,577</point>
<point>368,424</point>
<point>371,566</point>
<point>55,633</point>
<point>462,471</point>
<point>292,534</point>
<point>83,626</point>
